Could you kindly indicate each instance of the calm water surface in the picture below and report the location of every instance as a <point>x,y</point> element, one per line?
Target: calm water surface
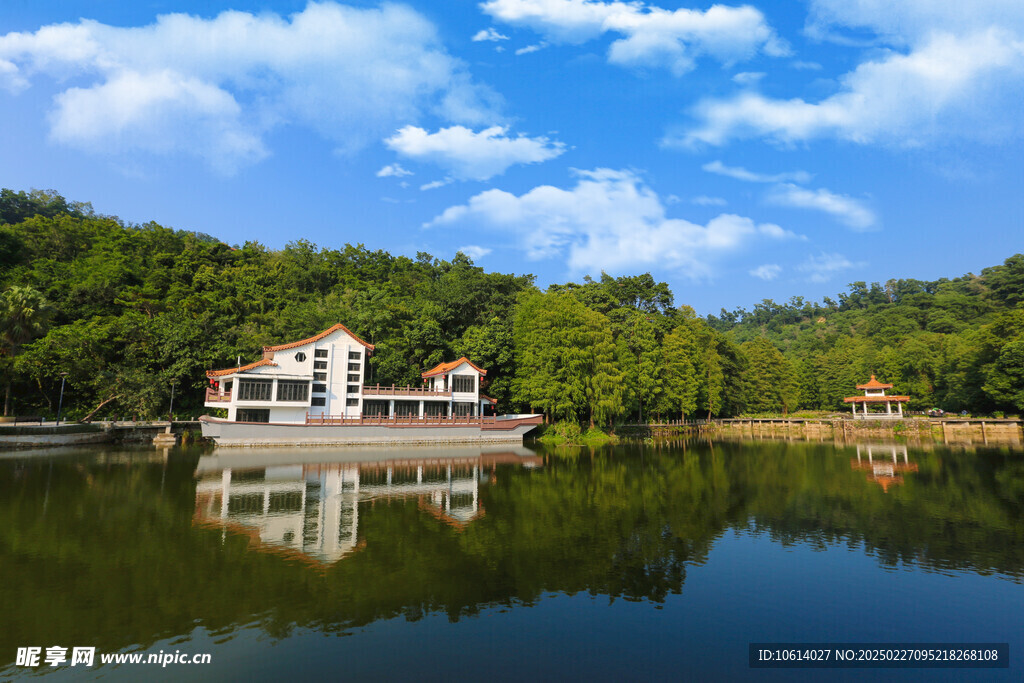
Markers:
<point>618,563</point>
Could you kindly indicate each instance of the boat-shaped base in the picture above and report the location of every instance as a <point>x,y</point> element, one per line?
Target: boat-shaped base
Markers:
<point>501,429</point>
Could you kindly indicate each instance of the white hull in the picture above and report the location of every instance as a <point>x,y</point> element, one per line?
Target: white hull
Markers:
<point>505,429</point>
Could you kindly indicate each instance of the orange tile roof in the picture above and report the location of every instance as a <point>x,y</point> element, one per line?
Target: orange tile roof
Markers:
<point>318,337</point>
<point>241,368</point>
<point>487,398</point>
<point>445,367</point>
<point>875,399</point>
<point>874,384</point>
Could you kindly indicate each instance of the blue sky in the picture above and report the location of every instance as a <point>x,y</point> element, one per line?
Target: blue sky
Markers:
<point>736,151</point>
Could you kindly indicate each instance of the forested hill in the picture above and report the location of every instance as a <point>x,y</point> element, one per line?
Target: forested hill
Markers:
<point>127,311</point>
<point>956,344</point>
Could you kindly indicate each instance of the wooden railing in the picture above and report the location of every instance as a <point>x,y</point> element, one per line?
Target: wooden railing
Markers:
<point>397,420</point>
<point>378,390</point>
<point>215,396</point>
<point>489,422</point>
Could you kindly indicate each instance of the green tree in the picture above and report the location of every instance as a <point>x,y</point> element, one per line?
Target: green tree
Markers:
<point>24,314</point>
<point>679,351</point>
<point>771,382</point>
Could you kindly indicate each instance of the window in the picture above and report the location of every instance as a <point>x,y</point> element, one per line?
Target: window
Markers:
<point>352,402</point>
<point>353,367</point>
<point>252,415</point>
<point>375,408</point>
<point>292,391</point>
<point>254,390</point>
<point>462,409</point>
<point>320,353</point>
<point>354,355</point>
<point>319,400</point>
<point>353,378</point>
<point>319,388</point>
<point>407,408</point>
<point>320,376</point>
<point>434,409</point>
<point>300,357</point>
<point>463,383</point>
<point>319,365</point>
<point>353,388</point>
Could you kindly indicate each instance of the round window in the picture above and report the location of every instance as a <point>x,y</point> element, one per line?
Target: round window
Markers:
<point>300,356</point>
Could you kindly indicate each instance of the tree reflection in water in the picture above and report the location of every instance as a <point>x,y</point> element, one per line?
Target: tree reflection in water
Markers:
<point>117,548</point>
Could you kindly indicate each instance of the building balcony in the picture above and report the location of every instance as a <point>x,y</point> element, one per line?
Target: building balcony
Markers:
<point>404,392</point>
<point>216,396</point>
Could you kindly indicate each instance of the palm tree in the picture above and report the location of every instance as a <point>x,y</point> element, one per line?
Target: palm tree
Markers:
<point>24,313</point>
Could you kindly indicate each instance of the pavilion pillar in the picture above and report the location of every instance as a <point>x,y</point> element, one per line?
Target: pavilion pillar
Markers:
<point>865,408</point>
<point>899,407</point>
<point>391,408</point>
<point>421,410</point>
<point>853,404</point>
<point>888,408</point>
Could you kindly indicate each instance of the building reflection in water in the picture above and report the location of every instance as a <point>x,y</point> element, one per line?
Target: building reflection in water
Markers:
<point>884,463</point>
<point>311,511</point>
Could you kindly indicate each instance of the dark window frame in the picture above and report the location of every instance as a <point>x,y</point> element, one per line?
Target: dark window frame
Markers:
<point>292,391</point>
<point>255,390</point>
<point>253,415</point>
<point>320,353</point>
<point>464,381</point>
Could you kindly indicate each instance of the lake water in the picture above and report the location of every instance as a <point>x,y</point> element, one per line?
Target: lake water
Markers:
<point>621,563</point>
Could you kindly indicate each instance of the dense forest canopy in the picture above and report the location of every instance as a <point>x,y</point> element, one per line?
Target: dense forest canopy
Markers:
<point>124,312</point>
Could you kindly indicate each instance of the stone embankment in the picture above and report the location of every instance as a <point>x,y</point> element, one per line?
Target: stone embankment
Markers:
<point>946,430</point>
<point>47,434</point>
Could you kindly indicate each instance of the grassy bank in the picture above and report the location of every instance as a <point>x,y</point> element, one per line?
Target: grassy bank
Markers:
<point>571,434</point>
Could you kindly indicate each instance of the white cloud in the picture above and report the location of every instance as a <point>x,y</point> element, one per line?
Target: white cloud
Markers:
<point>393,171</point>
<point>947,85</point>
<point>649,36</point>
<point>847,210</point>
<point>748,78</point>
<point>704,200</point>
<point>806,66</point>
<point>531,48</point>
<point>214,87</point>
<point>433,185</point>
<point>488,34</point>
<point>475,252</point>
<point>472,156</point>
<point>740,173</point>
<point>824,266</point>
<point>132,111</point>
<point>908,22</point>
<point>609,221</point>
<point>768,271</point>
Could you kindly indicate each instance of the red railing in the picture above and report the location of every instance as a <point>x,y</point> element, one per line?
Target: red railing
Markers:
<point>215,396</point>
<point>378,390</point>
<point>456,421</point>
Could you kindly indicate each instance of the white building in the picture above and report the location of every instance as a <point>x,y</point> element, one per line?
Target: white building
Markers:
<point>321,377</point>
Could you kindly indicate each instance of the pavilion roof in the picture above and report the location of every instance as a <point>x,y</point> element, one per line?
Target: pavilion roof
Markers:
<point>442,368</point>
<point>240,368</point>
<point>876,399</point>
<point>317,337</point>
<point>874,384</point>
